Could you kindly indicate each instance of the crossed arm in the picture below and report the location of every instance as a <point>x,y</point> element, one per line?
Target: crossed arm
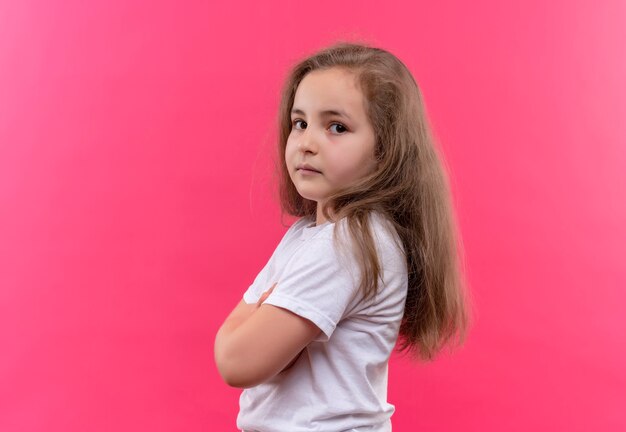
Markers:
<point>259,341</point>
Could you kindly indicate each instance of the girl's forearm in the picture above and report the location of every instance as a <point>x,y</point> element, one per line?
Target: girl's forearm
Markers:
<point>226,331</point>
<point>230,326</point>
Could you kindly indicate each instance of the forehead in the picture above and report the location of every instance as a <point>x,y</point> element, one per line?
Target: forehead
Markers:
<point>331,89</point>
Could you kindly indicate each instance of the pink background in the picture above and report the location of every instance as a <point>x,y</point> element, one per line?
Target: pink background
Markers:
<point>135,204</point>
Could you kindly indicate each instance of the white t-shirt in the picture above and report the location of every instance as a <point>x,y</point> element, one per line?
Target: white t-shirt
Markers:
<point>339,382</point>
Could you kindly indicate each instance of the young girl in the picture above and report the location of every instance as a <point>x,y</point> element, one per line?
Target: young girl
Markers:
<point>372,257</point>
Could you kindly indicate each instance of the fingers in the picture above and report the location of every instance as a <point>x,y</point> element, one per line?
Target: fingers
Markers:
<point>265,295</point>
<point>269,291</point>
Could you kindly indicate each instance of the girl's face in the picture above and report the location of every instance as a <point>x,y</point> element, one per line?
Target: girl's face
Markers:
<point>330,133</point>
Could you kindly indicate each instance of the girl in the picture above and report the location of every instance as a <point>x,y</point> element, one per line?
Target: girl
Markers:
<point>372,257</point>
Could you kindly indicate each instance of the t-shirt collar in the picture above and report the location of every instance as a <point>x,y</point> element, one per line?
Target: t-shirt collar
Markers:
<point>310,229</point>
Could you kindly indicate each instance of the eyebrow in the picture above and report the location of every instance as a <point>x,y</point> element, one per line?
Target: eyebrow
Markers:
<point>325,113</point>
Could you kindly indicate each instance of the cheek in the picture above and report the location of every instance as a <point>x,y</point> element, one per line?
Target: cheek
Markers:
<point>288,153</point>
<point>355,168</point>
<point>289,159</point>
<point>289,148</point>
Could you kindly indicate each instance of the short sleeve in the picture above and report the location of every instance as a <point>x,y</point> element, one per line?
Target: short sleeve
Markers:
<point>254,291</point>
<point>261,282</point>
<point>317,284</point>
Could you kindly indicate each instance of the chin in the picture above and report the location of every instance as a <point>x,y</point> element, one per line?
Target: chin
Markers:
<point>308,196</point>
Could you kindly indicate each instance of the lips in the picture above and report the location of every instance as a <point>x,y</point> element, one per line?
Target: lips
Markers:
<point>307,167</point>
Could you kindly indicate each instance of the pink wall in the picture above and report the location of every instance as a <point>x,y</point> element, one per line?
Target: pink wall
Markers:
<point>135,206</point>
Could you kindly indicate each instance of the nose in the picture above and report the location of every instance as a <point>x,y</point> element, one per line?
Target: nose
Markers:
<point>307,142</point>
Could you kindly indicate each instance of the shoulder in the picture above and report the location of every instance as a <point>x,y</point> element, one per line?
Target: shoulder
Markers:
<point>381,228</point>
<point>336,243</point>
<point>384,231</point>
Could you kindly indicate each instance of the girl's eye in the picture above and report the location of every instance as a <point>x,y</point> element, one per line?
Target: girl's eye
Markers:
<point>295,122</point>
<point>341,128</point>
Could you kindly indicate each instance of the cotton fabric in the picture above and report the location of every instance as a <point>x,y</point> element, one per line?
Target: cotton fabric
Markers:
<point>339,382</point>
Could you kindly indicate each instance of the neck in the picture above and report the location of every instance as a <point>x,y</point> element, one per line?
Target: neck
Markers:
<point>320,219</point>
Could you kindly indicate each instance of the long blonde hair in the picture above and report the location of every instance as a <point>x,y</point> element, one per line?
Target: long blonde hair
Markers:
<point>409,187</point>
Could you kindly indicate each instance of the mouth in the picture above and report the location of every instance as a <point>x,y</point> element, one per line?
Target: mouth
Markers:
<point>307,172</point>
<point>305,168</point>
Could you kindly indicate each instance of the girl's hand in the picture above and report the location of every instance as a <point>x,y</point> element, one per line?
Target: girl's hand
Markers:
<point>264,296</point>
